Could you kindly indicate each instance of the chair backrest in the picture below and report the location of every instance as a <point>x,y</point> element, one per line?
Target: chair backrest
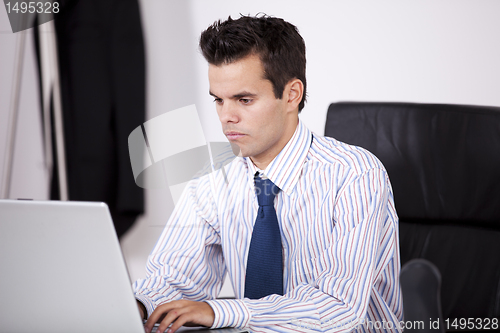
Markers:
<point>443,160</point>
<point>444,165</point>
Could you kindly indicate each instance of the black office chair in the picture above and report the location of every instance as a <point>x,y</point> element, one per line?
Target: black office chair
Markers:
<point>421,286</point>
<point>444,165</point>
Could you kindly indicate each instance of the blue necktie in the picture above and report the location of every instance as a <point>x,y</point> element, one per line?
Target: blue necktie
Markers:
<point>264,274</point>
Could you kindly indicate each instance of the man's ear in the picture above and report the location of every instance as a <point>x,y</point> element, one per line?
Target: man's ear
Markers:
<point>294,90</point>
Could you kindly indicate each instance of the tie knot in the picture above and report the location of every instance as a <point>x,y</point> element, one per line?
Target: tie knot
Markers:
<point>266,191</point>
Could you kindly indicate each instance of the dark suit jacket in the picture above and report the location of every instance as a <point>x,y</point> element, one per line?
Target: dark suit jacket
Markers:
<point>102,69</point>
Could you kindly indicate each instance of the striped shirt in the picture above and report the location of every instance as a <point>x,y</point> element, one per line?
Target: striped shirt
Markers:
<point>339,233</point>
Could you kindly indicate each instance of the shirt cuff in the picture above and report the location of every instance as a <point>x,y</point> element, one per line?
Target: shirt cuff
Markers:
<point>148,303</point>
<point>230,313</point>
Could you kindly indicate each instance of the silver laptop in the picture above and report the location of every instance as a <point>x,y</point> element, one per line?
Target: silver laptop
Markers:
<point>62,270</point>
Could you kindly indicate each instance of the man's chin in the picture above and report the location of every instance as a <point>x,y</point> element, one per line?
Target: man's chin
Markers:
<point>236,149</point>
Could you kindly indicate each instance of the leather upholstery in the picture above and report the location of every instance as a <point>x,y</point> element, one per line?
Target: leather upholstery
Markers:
<point>444,165</point>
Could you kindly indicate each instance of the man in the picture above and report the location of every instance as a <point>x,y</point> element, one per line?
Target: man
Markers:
<point>335,260</point>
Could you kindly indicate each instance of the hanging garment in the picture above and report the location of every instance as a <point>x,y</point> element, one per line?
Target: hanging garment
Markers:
<point>102,75</point>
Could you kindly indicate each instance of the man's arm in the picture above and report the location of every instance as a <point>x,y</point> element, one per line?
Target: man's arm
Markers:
<point>187,261</point>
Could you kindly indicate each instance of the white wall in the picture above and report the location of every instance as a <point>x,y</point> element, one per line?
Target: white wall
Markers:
<point>29,178</point>
<point>429,51</point>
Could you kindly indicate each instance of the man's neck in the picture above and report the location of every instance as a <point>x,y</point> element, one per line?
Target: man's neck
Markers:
<point>261,162</point>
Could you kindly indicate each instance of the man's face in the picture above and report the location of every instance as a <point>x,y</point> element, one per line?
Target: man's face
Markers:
<point>252,118</point>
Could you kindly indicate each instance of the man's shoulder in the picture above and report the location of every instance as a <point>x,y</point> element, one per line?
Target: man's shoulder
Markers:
<point>331,151</point>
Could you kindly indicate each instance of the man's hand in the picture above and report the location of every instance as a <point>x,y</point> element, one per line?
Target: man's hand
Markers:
<point>142,310</point>
<point>178,313</point>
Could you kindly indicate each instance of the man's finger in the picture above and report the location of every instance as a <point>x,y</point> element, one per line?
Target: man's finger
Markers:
<point>171,317</point>
<point>157,316</point>
<point>181,320</point>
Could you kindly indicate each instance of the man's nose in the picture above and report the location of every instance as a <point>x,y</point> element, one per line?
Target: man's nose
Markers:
<point>228,113</point>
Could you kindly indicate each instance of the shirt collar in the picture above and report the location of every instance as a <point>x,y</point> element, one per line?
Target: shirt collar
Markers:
<point>284,170</point>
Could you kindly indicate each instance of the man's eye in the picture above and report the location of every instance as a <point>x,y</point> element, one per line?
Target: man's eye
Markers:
<point>218,100</point>
<point>245,100</point>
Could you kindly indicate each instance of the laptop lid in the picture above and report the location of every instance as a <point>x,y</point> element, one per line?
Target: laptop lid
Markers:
<point>61,269</point>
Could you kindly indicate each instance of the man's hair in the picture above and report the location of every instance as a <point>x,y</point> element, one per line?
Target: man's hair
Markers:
<point>278,43</point>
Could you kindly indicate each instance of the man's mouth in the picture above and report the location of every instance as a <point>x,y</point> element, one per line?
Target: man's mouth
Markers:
<point>233,135</point>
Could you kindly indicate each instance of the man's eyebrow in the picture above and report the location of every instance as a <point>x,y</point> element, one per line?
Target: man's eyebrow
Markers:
<point>244,94</point>
<point>239,95</point>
